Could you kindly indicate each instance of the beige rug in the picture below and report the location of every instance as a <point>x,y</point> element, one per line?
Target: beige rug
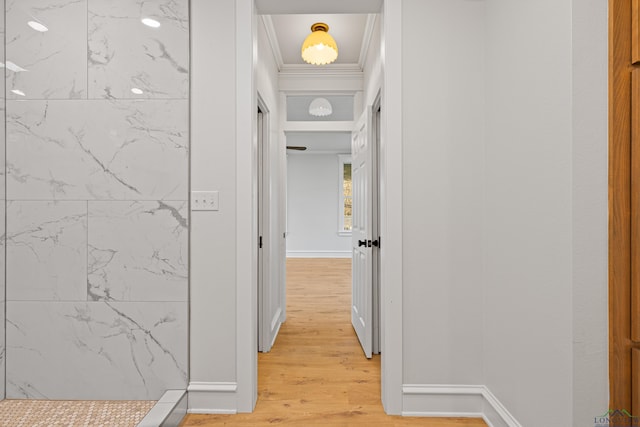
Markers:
<point>73,413</point>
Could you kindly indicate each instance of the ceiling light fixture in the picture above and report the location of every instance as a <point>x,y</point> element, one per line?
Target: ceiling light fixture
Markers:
<point>320,107</point>
<point>150,22</point>
<point>319,48</point>
<point>37,26</point>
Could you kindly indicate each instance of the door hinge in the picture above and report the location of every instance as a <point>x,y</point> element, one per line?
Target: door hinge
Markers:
<point>260,243</point>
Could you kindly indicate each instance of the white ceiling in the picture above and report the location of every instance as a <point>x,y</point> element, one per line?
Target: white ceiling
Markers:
<point>271,7</point>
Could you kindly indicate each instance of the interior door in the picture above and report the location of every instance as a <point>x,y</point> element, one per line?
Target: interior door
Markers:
<point>271,289</point>
<point>361,282</point>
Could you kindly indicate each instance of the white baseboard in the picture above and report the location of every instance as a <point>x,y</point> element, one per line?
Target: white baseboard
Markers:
<point>496,415</point>
<point>476,401</point>
<point>212,397</point>
<point>318,254</point>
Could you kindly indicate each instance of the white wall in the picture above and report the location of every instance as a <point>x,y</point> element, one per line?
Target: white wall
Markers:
<point>213,160</point>
<point>545,210</point>
<point>527,343</point>
<point>313,181</point>
<point>443,129</point>
<point>505,203</point>
<point>589,210</point>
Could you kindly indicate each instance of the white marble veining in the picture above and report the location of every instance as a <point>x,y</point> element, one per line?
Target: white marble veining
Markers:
<point>138,251</point>
<point>95,350</point>
<point>97,149</point>
<point>125,54</point>
<point>47,251</point>
<point>50,64</point>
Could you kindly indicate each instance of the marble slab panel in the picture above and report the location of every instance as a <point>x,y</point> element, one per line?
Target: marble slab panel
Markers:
<point>95,350</point>
<point>47,251</point>
<point>3,174</point>
<point>49,64</point>
<point>138,251</point>
<point>128,59</point>
<point>97,149</point>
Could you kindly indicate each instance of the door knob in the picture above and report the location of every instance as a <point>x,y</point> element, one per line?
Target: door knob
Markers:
<point>362,243</point>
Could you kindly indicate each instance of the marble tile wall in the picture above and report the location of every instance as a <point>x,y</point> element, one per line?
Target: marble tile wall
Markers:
<point>2,206</point>
<point>97,152</point>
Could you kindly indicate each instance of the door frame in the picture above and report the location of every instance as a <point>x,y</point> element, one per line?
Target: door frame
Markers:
<point>620,220</point>
<point>390,215</point>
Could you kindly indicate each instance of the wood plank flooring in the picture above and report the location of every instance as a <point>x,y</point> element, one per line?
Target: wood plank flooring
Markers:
<point>316,374</point>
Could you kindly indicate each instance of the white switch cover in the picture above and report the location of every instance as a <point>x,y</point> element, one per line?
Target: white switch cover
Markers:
<point>205,201</point>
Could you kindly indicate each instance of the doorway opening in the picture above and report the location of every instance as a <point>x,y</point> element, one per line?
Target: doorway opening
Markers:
<point>250,75</point>
<point>319,216</point>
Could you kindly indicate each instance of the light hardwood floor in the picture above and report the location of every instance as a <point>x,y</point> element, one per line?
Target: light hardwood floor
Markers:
<point>316,374</point>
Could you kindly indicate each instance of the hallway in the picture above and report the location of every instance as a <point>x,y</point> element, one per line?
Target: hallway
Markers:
<point>316,373</point>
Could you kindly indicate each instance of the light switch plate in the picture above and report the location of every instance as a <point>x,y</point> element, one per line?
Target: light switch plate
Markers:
<point>205,201</point>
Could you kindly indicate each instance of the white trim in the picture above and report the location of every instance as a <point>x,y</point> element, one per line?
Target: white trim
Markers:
<point>318,254</point>
<point>273,40</point>
<point>446,400</point>
<point>321,81</point>
<point>500,417</point>
<point>168,411</point>
<point>366,39</point>
<point>246,208</point>
<point>213,397</point>
<point>212,386</point>
<point>391,203</point>
<point>341,70</point>
<point>337,126</point>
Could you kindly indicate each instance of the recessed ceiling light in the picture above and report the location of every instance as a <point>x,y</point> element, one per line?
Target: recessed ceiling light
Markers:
<point>18,92</point>
<point>37,26</point>
<point>137,91</point>
<point>150,22</point>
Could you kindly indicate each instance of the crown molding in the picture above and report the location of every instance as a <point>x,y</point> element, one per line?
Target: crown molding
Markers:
<point>324,70</point>
<point>273,40</point>
<point>366,39</point>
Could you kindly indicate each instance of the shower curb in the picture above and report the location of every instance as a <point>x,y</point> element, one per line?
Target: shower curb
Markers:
<point>168,411</point>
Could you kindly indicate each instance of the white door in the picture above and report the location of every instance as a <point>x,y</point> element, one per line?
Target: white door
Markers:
<point>361,174</point>
<point>271,289</point>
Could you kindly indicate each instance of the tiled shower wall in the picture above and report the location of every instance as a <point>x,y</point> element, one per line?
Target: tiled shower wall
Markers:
<point>2,211</point>
<point>96,198</point>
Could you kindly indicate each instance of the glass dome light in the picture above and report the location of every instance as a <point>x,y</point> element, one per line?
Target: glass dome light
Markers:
<point>320,107</point>
<point>319,48</point>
